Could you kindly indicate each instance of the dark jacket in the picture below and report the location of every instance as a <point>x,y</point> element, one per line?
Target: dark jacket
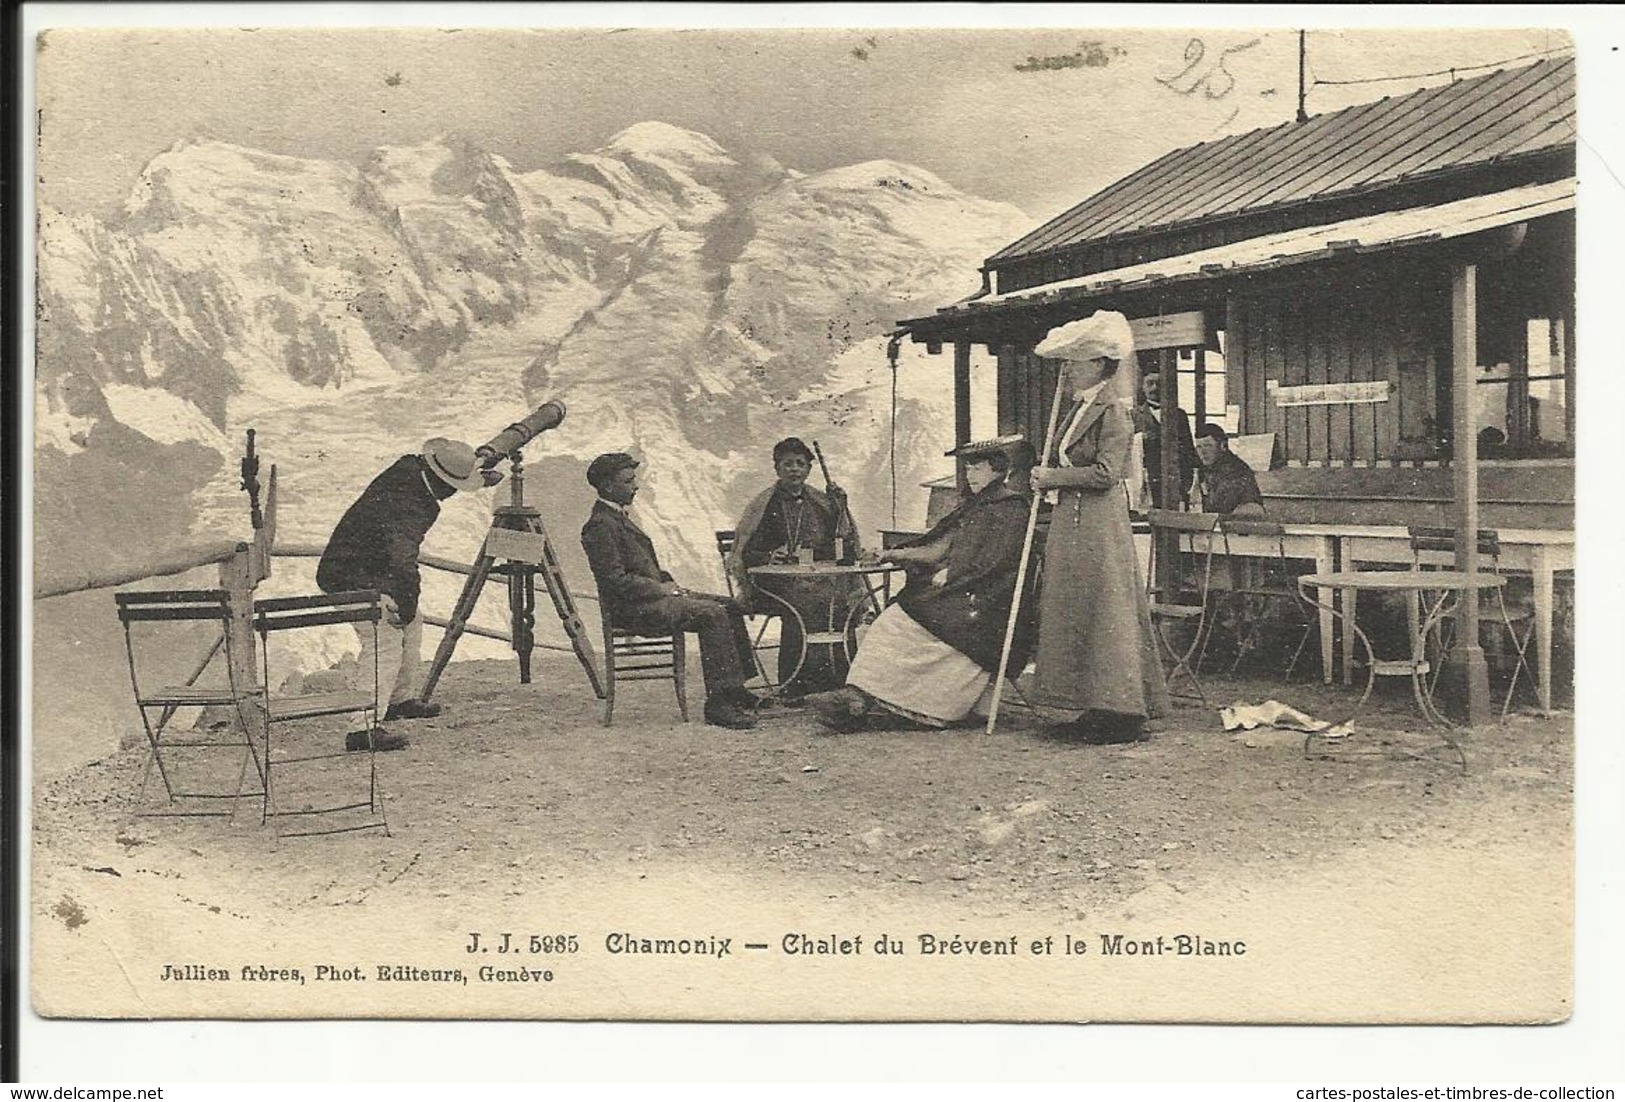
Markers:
<point>762,529</point>
<point>815,532</point>
<point>1151,428</point>
<point>971,608</point>
<point>623,564</point>
<point>376,542</point>
<point>1229,484</point>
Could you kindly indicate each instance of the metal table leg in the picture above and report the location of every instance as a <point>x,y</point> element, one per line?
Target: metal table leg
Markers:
<point>801,659</point>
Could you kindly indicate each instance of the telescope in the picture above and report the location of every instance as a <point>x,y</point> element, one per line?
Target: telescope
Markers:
<point>510,440</point>
<point>518,548</point>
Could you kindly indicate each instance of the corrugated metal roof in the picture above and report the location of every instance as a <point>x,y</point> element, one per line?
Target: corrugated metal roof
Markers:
<point>1372,233</point>
<point>1493,117</point>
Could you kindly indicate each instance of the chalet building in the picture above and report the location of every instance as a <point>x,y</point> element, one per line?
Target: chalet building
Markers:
<point>1325,286</point>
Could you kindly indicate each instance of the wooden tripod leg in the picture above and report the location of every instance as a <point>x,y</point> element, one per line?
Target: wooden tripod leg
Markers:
<point>565,606</point>
<point>466,603</point>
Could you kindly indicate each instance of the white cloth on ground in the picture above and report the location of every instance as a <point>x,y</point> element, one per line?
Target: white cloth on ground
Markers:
<point>1272,713</point>
<point>913,673</point>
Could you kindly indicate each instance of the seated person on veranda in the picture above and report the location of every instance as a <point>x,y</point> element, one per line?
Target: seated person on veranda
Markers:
<point>1228,485</point>
<point>792,522</point>
<point>932,655</point>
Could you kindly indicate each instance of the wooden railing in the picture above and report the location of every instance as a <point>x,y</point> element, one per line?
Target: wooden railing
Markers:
<point>450,566</point>
<point>436,562</point>
<point>176,561</point>
<point>242,567</point>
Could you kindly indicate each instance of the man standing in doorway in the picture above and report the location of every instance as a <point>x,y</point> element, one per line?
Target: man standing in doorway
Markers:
<point>1150,417</point>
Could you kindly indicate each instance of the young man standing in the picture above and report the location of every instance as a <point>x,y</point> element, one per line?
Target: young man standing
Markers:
<point>1151,417</point>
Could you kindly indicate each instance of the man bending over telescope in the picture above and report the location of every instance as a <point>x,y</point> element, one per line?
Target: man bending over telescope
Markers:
<point>376,545</point>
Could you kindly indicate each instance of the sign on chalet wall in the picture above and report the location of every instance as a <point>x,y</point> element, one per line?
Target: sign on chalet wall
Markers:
<point>1328,394</point>
<point>1185,330</point>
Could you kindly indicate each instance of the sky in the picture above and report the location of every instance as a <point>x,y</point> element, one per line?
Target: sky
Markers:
<point>1036,116</point>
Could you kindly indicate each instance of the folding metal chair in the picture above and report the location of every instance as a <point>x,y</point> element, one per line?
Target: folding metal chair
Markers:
<point>1181,604</point>
<point>1264,583</point>
<point>280,614</point>
<point>185,610</point>
<point>629,656</point>
<point>1435,549</point>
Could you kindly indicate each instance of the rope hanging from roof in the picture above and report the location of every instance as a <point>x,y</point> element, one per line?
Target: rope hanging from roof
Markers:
<point>893,342</point>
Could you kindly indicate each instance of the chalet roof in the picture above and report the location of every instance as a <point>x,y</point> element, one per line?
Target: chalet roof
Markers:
<point>1495,117</point>
<point>1372,233</point>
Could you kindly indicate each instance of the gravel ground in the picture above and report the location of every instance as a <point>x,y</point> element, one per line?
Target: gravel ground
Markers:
<point>516,800</point>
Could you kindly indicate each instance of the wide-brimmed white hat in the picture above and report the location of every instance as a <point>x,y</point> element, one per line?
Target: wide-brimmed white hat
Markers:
<point>453,462</point>
<point>1103,334</point>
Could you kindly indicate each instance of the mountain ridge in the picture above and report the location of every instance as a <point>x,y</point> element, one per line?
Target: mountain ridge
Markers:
<point>685,300</point>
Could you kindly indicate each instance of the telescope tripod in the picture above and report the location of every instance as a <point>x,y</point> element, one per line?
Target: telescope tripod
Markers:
<point>517,547</point>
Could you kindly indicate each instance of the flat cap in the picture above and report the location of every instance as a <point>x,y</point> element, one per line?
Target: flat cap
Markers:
<point>607,466</point>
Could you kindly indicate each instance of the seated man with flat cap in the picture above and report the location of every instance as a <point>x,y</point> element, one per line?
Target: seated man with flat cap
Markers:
<point>639,596</point>
<point>375,546</point>
<point>930,658</point>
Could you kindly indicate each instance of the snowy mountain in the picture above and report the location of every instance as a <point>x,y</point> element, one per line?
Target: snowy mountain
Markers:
<point>689,303</point>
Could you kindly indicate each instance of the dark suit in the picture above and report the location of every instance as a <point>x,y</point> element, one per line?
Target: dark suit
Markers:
<point>1150,425</point>
<point>637,595</point>
<point>376,543</point>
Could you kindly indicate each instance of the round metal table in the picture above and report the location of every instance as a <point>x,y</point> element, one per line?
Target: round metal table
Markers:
<point>1431,597</point>
<point>835,634</point>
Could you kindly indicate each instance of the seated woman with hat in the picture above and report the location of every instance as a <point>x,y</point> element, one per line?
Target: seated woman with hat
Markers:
<point>932,655</point>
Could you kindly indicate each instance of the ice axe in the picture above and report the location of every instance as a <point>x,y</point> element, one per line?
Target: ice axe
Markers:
<point>1021,571</point>
<point>844,521</point>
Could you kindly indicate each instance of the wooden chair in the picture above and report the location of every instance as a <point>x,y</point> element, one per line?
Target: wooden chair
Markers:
<point>279,614</point>
<point>157,620</point>
<point>629,656</point>
<point>726,540</point>
<point>1181,604</point>
<point>1435,549</point>
<point>1261,584</point>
